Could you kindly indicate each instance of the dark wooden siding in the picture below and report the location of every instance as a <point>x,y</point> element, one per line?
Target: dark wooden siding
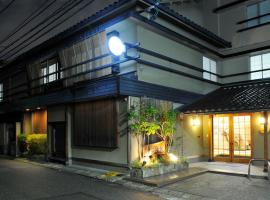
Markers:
<point>96,124</point>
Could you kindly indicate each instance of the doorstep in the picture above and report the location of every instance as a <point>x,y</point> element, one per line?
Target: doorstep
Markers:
<point>169,178</point>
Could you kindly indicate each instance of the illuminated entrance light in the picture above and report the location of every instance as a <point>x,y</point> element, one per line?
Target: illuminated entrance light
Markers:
<point>195,121</point>
<point>262,120</point>
<point>116,46</point>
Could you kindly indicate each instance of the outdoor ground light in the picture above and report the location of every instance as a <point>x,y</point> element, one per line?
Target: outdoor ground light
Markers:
<point>173,157</point>
<point>116,46</point>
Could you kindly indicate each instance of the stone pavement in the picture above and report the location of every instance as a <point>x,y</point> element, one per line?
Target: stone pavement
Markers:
<point>235,168</point>
<point>224,187</point>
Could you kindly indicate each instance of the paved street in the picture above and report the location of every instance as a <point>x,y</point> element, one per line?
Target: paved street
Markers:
<point>19,181</point>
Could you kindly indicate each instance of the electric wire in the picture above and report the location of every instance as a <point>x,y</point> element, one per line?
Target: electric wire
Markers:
<point>7,6</point>
<point>29,19</point>
<point>60,10</point>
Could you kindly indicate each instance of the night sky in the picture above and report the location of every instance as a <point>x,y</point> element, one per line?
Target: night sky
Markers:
<point>24,23</point>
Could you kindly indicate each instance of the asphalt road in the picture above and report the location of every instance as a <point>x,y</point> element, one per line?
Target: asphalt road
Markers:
<point>20,181</point>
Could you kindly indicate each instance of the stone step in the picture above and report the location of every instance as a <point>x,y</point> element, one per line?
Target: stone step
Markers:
<point>166,179</point>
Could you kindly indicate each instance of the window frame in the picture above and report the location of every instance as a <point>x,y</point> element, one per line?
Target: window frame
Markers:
<point>258,17</point>
<point>262,68</point>
<point>211,73</point>
<point>45,67</point>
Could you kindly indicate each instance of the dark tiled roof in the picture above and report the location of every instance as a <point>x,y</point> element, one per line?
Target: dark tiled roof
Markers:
<point>234,98</point>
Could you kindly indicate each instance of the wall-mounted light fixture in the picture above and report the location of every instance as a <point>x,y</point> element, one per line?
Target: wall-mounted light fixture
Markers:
<point>27,109</point>
<point>261,120</point>
<point>195,121</point>
<point>115,44</point>
<point>38,108</point>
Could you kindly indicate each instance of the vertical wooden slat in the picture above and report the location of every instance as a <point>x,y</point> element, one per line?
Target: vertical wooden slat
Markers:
<point>210,137</point>
<point>96,124</point>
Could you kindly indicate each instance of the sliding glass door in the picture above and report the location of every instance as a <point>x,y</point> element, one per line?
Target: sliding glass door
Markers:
<point>232,138</point>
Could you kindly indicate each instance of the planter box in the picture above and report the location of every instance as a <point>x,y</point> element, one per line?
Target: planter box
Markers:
<point>140,173</point>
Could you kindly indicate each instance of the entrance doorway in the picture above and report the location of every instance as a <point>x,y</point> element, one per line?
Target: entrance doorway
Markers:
<point>58,141</point>
<point>232,141</point>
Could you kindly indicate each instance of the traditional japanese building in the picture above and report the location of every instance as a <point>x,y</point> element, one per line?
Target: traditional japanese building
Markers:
<point>208,59</point>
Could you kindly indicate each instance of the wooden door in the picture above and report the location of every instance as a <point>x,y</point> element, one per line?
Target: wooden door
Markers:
<point>58,140</point>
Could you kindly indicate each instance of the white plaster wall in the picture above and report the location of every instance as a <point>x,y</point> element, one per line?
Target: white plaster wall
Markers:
<point>195,144</point>
<point>165,46</point>
<point>56,114</point>
<point>236,65</point>
<point>228,27</point>
<point>258,136</point>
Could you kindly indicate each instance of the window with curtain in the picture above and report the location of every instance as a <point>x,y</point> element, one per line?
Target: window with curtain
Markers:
<point>260,64</point>
<point>210,66</point>
<point>1,92</point>
<point>260,12</point>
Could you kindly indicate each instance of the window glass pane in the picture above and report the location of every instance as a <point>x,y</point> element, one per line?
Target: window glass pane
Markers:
<point>256,75</point>
<point>213,78</point>
<point>252,11</point>
<point>52,69</point>
<point>266,74</point>
<point>256,63</point>
<point>265,7</point>
<point>206,75</point>
<point>264,19</point>
<point>213,66</point>
<point>44,73</point>
<point>266,60</point>
<point>253,22</point>
<point>206,64</point>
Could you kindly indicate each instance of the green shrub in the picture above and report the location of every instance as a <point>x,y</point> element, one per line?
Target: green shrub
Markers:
<point>36,144</point>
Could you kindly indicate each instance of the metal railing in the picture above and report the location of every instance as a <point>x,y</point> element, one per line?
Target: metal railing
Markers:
<point>255,160</point>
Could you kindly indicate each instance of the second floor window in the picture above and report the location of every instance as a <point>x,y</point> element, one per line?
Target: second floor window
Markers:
<point>259,13</point>
<point>260,64</point>
<point>1,92</point>
<point>209,65</point>
<point>49,71</point>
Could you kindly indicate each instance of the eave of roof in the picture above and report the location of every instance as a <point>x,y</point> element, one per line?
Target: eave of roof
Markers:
<point>192,26</point>
<point>115,9</point>
<point>248,97</point>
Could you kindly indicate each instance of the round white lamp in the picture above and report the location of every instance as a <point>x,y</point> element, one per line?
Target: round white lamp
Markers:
<point>116,46</point>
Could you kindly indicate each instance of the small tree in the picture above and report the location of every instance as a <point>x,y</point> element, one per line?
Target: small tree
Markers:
<point>147,120</point>
<point>167,123</point>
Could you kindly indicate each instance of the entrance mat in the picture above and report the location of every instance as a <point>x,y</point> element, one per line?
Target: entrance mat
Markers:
<point>170,178</point>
